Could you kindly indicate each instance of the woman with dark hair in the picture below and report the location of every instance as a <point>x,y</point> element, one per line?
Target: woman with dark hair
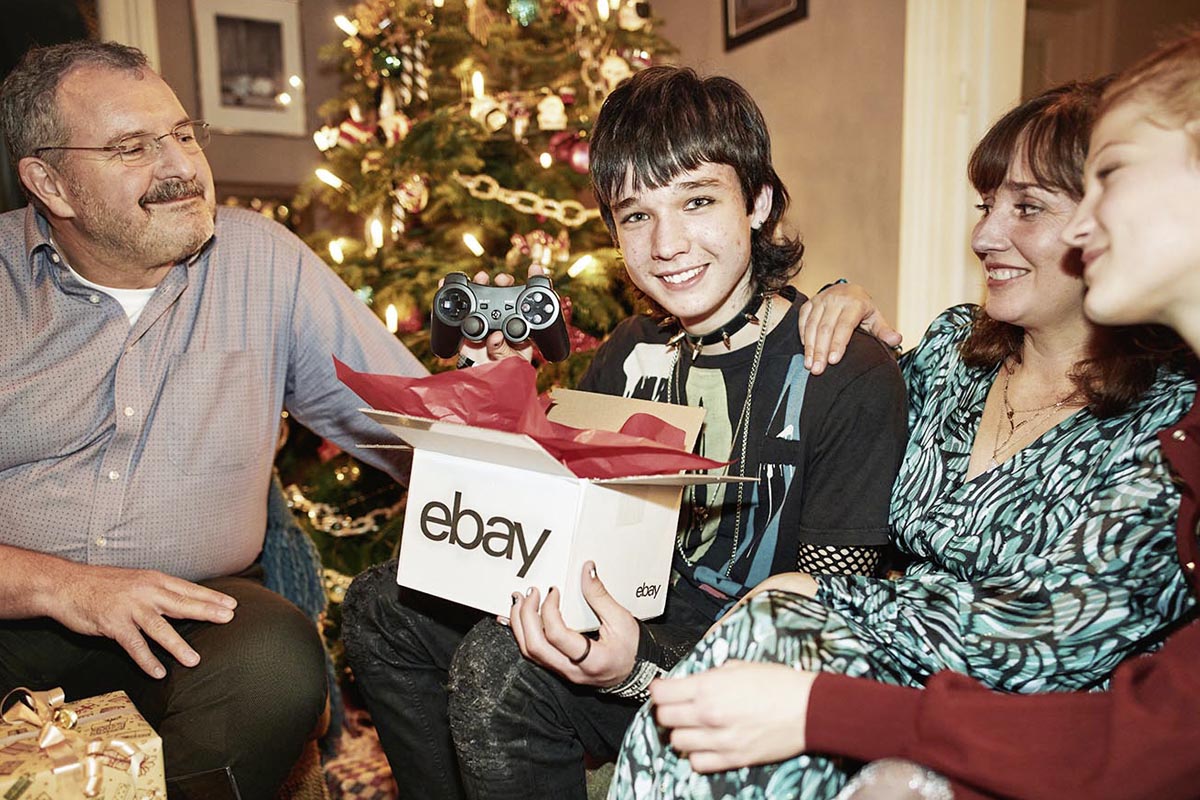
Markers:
<point>1034,500</point>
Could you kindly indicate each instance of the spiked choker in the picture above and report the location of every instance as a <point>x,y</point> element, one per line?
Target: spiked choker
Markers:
<point>740,320</point>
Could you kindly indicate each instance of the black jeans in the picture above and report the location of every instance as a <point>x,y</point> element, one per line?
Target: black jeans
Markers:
<point>251,703</point>
<point>461,712</point>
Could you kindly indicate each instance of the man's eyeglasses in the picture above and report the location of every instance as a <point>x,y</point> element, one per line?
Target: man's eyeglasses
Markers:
<point>145,148</point>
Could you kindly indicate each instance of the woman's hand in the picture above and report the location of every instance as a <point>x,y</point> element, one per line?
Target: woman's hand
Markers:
<point>735,715</point>
<point>830,317</point>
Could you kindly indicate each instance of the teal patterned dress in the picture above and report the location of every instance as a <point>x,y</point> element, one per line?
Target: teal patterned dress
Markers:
<point>1039,575</point>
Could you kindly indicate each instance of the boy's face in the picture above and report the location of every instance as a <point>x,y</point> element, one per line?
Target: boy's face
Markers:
<point>687,244</point>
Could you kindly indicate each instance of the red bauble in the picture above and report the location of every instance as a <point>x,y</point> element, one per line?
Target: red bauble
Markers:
<point>580,157</point>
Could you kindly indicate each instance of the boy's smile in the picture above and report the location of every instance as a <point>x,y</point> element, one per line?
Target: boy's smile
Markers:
<point>687,244</point>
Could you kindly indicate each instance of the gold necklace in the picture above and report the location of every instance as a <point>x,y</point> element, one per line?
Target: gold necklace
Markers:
<point>1010,413</point>
<point>741,435</point>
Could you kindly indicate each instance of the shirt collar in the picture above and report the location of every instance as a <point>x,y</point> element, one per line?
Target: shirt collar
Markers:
<point>37,236</point>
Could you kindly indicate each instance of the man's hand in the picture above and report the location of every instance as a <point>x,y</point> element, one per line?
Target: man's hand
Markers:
<point>829,318</point>
<point>735,715</point>
<point>546,640</point>
<point>495,346</point>
<point>129,606</point>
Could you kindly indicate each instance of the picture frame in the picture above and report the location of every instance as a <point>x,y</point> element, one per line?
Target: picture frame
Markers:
<point>746,20</point>
<point>249,66</point>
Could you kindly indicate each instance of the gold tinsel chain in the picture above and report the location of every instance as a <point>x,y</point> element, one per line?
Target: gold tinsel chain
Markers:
<point>566,212</point>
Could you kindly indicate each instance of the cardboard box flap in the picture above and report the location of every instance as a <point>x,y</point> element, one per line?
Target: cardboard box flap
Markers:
<point>682,479</point>
<point>465,441</point>
<point>608,413</point>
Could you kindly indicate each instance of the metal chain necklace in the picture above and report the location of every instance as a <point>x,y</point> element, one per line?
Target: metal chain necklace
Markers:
<point>741,438</point>
<point>1010,413</point>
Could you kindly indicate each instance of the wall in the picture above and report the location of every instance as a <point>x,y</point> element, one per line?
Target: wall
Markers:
<point>1073,39</point>
<point>255,161</point>
<point>831,88</point>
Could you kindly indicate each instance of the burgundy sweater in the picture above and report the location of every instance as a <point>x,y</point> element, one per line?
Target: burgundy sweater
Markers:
<point>1139,739</point>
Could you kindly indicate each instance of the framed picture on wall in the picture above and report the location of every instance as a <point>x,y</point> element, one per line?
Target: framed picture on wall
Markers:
<point>748,19</point>
<point>248,65</point>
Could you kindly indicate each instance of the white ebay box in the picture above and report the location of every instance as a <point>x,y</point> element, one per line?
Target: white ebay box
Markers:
<point>491,512</point>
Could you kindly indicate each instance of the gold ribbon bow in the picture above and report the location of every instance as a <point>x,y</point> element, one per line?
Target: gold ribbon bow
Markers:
<point>46,710</point>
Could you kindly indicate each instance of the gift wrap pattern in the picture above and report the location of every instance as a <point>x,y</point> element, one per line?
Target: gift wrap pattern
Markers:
<point>27,770</point>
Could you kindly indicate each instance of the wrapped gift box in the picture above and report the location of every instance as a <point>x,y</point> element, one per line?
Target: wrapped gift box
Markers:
<point>103,736</point>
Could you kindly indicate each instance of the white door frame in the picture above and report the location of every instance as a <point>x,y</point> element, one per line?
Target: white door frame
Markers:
<point>132,22</point>
<point>962,69</point>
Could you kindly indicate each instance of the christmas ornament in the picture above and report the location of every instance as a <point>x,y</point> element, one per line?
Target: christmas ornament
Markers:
<point>352,133</point>
<point>538,247</point>
<point>579,159</point>
<point>551,113</point>
<point>523,11</point>
<point>488,112</point>
<point>561,144</point>
<point>479,20</point>
<point>633,16</point>
<point>394,128</point>
<point>581,342</point>
<point>326,138</point>
<point>613,70</point>
<point>413,194</point>
<point>371,161</point>
<point>518,112</point>
<point>392,124</point>
<point>638,59</point>
<point>414,81</point>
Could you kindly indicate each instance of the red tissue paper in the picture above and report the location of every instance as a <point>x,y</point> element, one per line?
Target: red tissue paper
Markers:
<point>502,395</point>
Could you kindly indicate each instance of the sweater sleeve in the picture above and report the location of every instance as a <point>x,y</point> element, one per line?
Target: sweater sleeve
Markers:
<point>1138,739</point>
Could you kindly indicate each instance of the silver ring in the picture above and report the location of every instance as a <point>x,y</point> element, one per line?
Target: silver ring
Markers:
<point>587,650</point>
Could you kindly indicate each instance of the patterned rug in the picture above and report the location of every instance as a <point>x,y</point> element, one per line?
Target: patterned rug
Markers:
<point>359,770</point>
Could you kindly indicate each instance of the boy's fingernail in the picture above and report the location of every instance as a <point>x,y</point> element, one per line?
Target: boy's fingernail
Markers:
<point>592,572</point>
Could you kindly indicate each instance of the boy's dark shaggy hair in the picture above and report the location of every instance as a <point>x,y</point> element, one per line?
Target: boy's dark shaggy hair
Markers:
<point>665,121</point>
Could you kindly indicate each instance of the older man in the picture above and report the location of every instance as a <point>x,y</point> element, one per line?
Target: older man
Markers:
<point>147,346</point>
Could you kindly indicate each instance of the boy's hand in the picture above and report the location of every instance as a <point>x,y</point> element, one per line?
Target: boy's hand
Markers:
<point>495,346</point>
<point>546,640</point>
<point>829,318</point>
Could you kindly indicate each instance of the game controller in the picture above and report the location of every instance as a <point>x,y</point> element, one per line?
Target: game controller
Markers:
<point>466,310</point>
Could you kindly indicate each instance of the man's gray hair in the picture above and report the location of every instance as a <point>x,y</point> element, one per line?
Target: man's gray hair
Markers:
<point>29,115</point>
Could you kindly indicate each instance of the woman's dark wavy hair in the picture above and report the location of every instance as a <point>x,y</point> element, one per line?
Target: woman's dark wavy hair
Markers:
<point>1051,133</point>
<point>665,121</point>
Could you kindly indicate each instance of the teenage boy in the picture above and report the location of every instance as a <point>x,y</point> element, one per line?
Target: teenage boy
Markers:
<point>681,168</point>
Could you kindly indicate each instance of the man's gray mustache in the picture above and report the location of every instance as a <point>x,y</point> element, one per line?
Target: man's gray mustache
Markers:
<point>172,190</point>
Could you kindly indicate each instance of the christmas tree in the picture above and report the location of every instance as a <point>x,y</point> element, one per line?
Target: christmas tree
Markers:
<point>460,143</point>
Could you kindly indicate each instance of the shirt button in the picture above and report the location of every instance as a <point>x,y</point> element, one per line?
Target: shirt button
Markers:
<point>114,475</point>
<point>94,299</point>
<point>1179,436</point>
<point>129,411</point>
<point>1190,566</point>
<point>101,541</point>
<point>54,257</point>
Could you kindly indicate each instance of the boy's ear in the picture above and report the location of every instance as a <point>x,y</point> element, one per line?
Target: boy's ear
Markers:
<point>45,183</point>
<point>762,207</point>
